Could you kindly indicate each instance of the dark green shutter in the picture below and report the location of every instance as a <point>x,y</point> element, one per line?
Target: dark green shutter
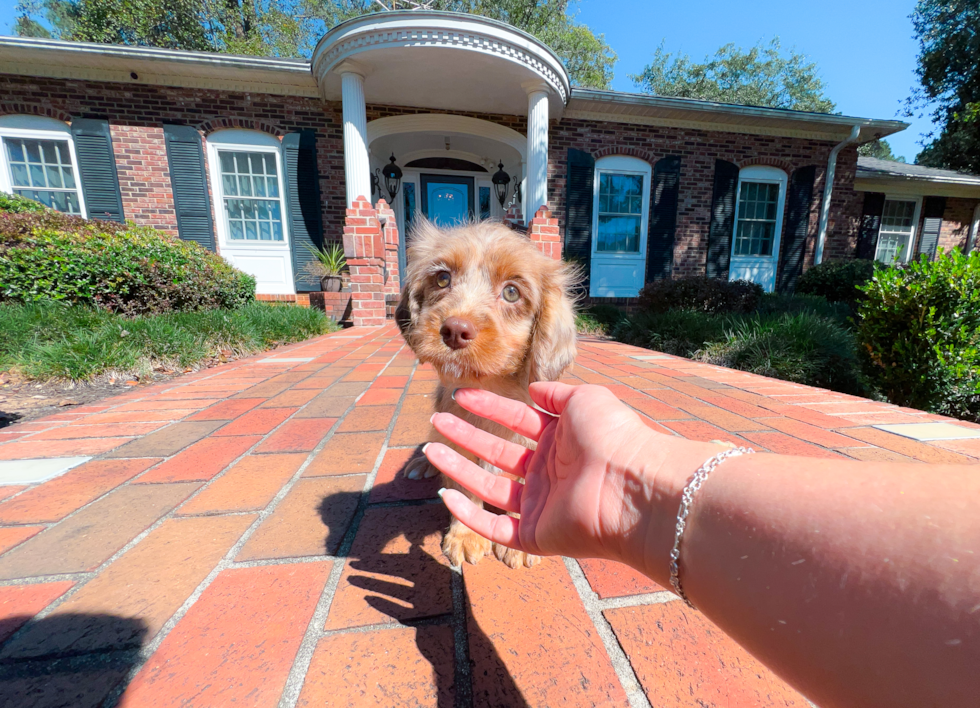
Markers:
<point>793,247</point>
<point>578,210</point>
<point>188,180</point>
<point>874,205</point>
<point>303,201</point>
<point>97,169</point>
<point>660,245</point>
<point>722,219</point>
<point>932,222</point>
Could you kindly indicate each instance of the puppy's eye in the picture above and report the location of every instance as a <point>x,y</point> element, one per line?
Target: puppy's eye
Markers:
<point>443,279</point>
<point>511,293</point>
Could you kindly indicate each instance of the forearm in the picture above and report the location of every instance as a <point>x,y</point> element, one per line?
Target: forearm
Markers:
<point>858,583</point>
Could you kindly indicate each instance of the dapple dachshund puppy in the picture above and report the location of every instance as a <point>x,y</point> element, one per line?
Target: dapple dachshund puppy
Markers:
<point>488,310</point>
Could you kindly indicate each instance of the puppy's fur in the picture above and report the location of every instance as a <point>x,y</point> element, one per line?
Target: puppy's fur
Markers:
<point>514,343</point>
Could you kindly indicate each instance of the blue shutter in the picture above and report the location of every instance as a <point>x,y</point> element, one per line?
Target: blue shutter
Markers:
<point>793,248</point>
<point>722,219</point>
<point>578,210</point>
<point>302,180</point>
<point>660,244</point>
<point>932,222</point>
<point>874,206</point>
<point>188,180</point>
<point>97,169</point>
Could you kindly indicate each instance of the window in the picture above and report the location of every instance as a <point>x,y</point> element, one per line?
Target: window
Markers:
<point>620,212</point>
<point>897,231</point>
<point>408,194</point>
<point>484,203</point>
<point>38,162</point>
<point>758,206</point>
<point>246,166</point>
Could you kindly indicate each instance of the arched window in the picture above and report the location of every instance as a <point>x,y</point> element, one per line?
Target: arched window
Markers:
<point>621,212</point>
<point>246,174</point>
<point>37,161</point>
<point>758,225</point>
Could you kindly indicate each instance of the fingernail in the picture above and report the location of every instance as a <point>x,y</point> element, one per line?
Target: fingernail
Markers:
<point>441,492</point>
<point>453,394</point>
<point>433,417</point>
<point>425,447</point>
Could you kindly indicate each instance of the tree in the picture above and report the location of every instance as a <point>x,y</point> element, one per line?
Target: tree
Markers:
<point>949,75</point>
<point>762,76</point>
<point>880,149</point>
<point>292,27</point>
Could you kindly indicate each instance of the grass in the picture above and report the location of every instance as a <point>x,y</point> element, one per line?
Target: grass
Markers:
<point>48,341</point>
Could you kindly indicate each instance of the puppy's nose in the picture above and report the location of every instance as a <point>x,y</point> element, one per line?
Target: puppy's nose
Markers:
<point>457,333</point>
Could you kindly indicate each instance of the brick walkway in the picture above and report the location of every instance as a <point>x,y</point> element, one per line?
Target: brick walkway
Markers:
<point>243,536</point>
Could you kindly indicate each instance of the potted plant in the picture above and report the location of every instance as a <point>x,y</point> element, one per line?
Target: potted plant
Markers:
<point>327,267</point>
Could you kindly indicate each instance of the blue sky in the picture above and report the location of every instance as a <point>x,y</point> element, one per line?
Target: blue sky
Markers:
<point>863,48</point>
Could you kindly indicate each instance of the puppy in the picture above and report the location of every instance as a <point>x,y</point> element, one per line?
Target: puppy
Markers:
<point>488,310</point>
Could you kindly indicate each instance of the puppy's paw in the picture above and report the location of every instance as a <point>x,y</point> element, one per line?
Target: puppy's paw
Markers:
<point>460,543</point>
<point>420,468</point>
<point>514,559</point>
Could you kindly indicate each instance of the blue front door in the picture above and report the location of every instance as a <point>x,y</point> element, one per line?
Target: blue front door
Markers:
<point>447,200</point>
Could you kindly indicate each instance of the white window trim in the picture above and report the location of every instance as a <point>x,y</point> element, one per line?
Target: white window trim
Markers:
<point>620,165</point>
<point>244,141</point>
<point>914,236</point>
<point>10,127</point>
<point>766,175</point>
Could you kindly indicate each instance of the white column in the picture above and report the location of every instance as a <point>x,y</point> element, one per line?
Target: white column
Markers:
<point>537,149</point>
<point>357,168</point>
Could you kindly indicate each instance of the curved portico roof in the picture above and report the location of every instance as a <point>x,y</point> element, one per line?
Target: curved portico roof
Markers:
<point>440,60</point>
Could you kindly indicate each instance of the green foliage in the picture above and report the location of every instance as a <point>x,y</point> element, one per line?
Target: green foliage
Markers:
<point>16,204</point>
<point>290,28</point>
<point>779,304</point>
<point>129,270</point>
<point>699,293</point>
<point>880,149</point>
<point>51,340</point>
<point>803,347</point>
<point>599,319</point>
<point>679,332</point>
<point>919,327</point>
<point>949,76</point>
<point>765,75</point>
<point>837,281</point>
<point>331,260</point>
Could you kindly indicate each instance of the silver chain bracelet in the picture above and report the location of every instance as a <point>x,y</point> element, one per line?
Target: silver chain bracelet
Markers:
<point>687,498</point>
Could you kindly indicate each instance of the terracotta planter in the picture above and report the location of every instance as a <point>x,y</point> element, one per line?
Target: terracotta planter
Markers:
<point>331,283</point>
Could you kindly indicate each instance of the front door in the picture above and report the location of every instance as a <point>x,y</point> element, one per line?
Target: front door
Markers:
<point>758,224</point>
<point>447,200</point>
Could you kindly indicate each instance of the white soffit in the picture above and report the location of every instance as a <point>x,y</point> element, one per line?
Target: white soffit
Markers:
<point>441,60</point>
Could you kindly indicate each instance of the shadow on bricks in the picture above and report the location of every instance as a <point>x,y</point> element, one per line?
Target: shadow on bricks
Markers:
<point>399,576</point>
<point>39,668</point>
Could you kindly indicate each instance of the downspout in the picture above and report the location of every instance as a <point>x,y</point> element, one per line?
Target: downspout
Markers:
<point>828,192</point>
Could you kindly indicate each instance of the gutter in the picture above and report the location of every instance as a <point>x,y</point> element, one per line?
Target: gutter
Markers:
<point>828,192</point>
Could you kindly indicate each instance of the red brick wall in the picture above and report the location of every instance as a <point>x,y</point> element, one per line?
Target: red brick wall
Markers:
<point>698,150</point>
<point>144,176</point>
<point>957,220</point>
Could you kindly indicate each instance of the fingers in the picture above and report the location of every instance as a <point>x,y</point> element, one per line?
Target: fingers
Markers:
<point>517,416</point>
<point>496,527</point>
<point>551,395</point>
<point>508,456</point>
<point>502,492</point>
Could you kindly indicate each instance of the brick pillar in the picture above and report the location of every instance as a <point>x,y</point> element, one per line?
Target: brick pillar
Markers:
<point>543,231</point>
<point>365,251</point>
<point>513,217</point>
<point>392,277</point>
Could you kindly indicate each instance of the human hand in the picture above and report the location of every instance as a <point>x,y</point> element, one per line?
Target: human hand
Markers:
<point>596,486</point>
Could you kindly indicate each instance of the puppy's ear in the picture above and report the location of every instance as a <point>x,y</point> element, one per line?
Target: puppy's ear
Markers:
<point>423,239</point>
<point>553,344</point>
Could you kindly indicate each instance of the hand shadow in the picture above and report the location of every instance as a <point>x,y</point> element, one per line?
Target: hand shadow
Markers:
<point>70,659</point>
<point>395,557</point>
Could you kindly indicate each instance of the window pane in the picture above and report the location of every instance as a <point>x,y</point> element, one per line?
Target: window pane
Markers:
<point>45,166</point>
<point>408,191</point>
<point>252,175</point>
<point>895,234</point>
<point>484,202</point>
<point>758,206</point>
<point>619,234</point>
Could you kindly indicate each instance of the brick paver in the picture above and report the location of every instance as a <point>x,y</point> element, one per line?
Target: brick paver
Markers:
<point>246,535</point>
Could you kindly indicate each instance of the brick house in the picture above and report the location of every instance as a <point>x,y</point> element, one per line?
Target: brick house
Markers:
<point>262,158</point>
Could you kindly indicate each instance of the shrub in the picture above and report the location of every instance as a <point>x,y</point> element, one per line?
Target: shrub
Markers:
<point>598,319</point>
<point>802,347</point>
<point>15,204</point>
<point>701,294</point>
<point>919,326</point>
<point>838,281</point>
<point>130,270</point>
<point>680,332</point>
<point>779,304</point>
